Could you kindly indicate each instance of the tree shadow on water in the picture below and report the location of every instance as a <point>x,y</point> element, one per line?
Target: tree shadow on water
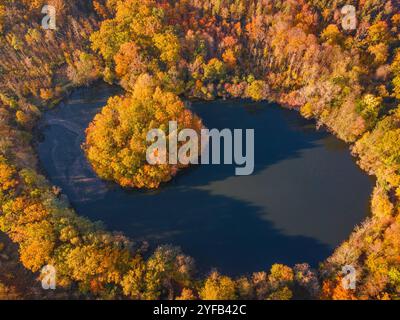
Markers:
<point>218,231</point>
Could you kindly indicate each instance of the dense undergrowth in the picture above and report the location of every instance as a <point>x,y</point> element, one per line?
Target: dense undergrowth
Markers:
<point>292,52</point>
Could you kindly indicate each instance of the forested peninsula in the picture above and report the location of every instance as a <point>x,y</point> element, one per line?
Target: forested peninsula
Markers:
<point>292,52</point>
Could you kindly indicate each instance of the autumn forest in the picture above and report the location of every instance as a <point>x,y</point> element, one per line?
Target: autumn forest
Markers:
<point>163,53</point>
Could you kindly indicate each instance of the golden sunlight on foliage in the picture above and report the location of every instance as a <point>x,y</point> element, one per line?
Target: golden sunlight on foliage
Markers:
<point>218,287</point>
<point>291,52</point>
<point>116,140</point>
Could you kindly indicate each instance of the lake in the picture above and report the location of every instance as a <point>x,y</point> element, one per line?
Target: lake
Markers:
<point>304,198</point>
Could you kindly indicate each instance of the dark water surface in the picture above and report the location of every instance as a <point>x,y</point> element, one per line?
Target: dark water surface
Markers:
<point>304,198</point>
